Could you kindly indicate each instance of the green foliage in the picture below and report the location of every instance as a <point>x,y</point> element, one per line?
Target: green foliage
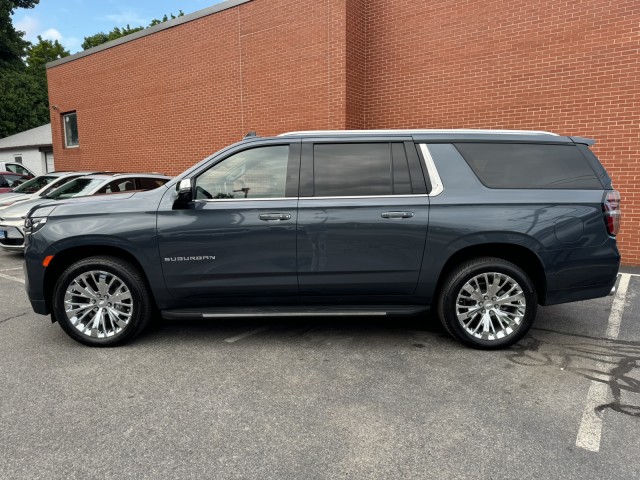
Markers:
<point>23,88</point>
<point>155,21</point>
<point>24,101</point>
<point>12,44</point>
<point>101,37</point>
<point>43,52</point>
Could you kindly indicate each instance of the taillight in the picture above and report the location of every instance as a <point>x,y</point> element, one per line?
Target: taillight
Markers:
<point>612,213</point>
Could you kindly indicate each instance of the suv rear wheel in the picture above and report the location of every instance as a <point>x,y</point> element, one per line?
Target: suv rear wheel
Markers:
<point>487,303</point>
<point>102,301</point>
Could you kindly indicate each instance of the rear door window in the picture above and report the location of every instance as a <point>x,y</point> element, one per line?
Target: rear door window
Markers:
<point>352,169</point>
<point>517,165</point>
<point>145,183</point>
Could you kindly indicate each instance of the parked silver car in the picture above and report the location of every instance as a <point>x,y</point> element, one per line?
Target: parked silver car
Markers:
<point>12,217</point>
<point>38,187</point>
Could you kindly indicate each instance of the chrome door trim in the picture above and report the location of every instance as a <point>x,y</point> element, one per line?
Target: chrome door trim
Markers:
<point>436,183</point>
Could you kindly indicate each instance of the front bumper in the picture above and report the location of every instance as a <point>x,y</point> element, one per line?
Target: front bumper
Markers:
<point>12,235</point>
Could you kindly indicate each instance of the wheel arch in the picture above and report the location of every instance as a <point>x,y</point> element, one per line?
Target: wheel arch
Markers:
<point>519,255</point>
<point>64,258</point>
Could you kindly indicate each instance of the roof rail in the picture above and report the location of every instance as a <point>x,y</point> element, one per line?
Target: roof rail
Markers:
<point>416,132</point>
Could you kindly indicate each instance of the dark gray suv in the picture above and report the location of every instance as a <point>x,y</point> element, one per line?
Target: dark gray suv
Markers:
<point>480,225</point>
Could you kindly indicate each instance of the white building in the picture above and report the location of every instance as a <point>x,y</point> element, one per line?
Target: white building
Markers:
<point>32,148</point>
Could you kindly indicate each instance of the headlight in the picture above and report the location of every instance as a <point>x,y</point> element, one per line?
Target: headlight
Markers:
<point>32,225</point>
<point>36,219</point>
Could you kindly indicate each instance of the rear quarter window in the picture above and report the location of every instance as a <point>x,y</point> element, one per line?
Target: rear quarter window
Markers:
<point>518,165</point>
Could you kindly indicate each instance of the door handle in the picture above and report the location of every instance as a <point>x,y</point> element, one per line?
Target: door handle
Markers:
<point>267,217</point>
<point>396,214</point>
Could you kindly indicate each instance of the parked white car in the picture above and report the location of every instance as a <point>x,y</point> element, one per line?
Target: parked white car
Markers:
<point>12,218</point>
<point>16,168</point>
<point>37,187</point>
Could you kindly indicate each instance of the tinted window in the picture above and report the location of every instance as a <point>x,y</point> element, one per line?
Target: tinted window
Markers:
<point>256,173</point>
<point>401,177</point>
<point>510,165</point>
<point>117,186</point>
<point>352,169</point>
<point>151,183</point>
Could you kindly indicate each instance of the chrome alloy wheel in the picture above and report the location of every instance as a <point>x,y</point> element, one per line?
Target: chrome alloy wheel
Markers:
<point>98,303</point>
<point>490,306</point>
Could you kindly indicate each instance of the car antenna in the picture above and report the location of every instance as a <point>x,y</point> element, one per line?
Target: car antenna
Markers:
<point>252,133</point>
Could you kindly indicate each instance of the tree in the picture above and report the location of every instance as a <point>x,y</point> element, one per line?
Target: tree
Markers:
<point>23,89</point>
<point>101,37</point>
<point>24,101</point>
<point>12,45</point>
<point>155,21</point>
<point>43,52</point>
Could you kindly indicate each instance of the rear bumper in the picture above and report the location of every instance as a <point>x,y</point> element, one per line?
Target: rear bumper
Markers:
<point>582,274</point>
<point>577,294</point>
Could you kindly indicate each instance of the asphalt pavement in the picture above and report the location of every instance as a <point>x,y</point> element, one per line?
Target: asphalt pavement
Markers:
<point>391,398</point>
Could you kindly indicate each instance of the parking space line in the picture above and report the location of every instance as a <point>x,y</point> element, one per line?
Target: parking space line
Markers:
<point>10,269</point>
<point>617,309</point>
<point>245,335</point>
<point>15,279</point>
<point>591,426</point>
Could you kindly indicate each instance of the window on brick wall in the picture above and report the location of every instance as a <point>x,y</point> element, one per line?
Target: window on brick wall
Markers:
<point>70,121</point>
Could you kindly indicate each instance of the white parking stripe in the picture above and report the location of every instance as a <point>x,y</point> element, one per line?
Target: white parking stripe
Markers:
<point>245,335</point>
<point>617,309</point>
<point>15,279</point>
<point>9,269</point>
<point>591,425</point>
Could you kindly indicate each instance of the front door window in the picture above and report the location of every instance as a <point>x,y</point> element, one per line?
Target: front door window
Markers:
<point>252,174</point>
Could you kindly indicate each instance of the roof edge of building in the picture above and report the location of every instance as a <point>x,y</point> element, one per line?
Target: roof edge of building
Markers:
<point>150,31</point>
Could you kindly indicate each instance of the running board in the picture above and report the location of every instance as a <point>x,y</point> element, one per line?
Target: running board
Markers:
<point>320,311</point>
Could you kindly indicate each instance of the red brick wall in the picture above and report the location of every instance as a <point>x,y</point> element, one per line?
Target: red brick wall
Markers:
<point>165,101</point>
<point>571,67</point>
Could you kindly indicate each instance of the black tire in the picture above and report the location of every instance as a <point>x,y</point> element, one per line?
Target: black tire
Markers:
<point>139,306</point>
<point>448,301</point>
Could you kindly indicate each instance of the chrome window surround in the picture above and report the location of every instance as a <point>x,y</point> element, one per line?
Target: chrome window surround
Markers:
<point>436,183</point>
<point>436,187</point>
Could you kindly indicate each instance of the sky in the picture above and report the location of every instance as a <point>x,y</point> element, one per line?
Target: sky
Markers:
<point>69,21</point>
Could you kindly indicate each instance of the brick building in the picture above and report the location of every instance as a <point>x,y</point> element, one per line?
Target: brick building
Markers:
<point>166,97</point>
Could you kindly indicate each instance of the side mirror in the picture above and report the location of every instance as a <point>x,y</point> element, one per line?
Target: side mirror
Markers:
<point>184,194</point>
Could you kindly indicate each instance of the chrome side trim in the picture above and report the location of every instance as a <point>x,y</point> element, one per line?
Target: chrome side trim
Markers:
<point>216,200</point>
<point>355,197</point>
<point>436,183</point>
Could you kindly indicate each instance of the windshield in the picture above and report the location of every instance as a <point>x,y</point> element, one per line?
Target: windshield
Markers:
<point>75,188</point>
<point>55,185</point>
<point>35,184</point>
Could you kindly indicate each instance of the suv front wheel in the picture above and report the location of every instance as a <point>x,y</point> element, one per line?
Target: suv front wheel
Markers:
<point>102,301</point>
<point>487,303</point>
